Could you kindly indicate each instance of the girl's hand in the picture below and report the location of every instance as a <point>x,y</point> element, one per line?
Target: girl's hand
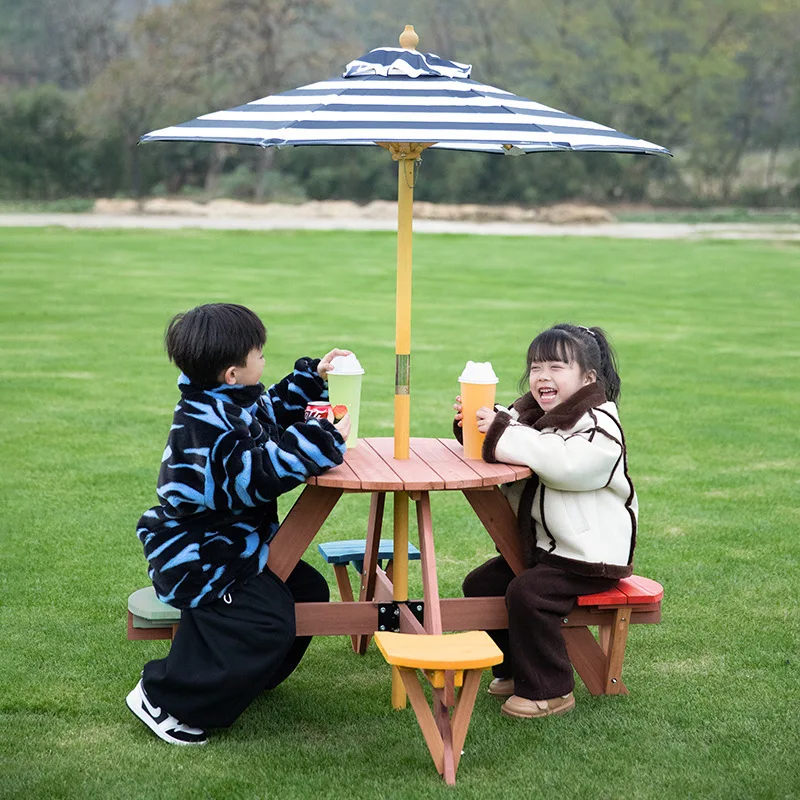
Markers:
<point>325,366</point>
<point>485,418</point>
<point>343,425</point>
<point>457,406</point>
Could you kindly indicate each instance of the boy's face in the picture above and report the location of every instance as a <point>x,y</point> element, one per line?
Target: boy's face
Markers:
<point>250,373</point>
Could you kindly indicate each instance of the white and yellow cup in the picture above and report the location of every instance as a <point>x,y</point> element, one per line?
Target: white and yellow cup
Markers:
<point>478,388</point>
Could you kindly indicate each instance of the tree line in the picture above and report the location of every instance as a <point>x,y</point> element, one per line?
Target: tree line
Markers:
<point>715,81</point>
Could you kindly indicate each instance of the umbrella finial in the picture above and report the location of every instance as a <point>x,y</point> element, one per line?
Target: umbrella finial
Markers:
<point>408,38</point>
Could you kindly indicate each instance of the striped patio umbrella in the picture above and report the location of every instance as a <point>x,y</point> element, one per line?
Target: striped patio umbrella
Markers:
<point>405,101</point>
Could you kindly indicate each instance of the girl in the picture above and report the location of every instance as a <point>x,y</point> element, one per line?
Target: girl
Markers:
<point>577,514</point>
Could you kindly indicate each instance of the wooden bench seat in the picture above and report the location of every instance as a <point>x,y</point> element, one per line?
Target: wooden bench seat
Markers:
<point>598,661</point>
<point>448,662</point>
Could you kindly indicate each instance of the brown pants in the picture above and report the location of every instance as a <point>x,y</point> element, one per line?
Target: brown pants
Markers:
<point>537,600</point>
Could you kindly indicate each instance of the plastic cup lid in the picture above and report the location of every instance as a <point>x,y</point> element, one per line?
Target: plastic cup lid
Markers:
<point>478,372</point>
<point>346,365</point>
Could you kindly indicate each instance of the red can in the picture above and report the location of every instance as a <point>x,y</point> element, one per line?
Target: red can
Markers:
<point>318,410</point>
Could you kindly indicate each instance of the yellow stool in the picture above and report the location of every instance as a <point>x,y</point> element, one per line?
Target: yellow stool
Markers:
<point>447,661</point>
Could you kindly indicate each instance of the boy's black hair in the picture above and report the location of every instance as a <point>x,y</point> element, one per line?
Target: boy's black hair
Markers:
<point>206,340</point>
<point>588,347</point>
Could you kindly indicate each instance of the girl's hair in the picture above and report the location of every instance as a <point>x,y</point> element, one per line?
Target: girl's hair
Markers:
<point>588,347</point>
<point>206,340</point>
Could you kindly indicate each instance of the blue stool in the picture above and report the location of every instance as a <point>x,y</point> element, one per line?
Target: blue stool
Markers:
<point>351,551</point>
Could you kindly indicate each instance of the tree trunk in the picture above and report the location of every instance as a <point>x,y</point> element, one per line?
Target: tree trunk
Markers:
<point>265,160</point>
<point>136,171</point>
<point>219,155</point>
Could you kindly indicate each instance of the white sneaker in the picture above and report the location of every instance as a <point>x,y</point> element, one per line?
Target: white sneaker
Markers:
<point>163,725</point>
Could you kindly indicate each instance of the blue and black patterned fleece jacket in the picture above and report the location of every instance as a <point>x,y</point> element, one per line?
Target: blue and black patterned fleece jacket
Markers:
<point>231,452</point>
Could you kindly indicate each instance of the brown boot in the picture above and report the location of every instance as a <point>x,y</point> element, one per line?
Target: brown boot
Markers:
<point>501,687</point>
<point>522,708</point>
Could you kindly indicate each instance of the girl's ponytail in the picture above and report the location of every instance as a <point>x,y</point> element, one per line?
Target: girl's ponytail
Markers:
<point>608,374</point>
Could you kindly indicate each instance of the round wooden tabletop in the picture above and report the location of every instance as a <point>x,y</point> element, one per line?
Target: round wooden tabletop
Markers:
<point>433,465</point>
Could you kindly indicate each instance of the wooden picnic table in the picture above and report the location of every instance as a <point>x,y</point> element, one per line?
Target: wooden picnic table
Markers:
<point>434,465</point>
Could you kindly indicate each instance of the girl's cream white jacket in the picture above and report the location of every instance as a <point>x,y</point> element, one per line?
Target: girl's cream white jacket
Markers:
<point>579,511</point>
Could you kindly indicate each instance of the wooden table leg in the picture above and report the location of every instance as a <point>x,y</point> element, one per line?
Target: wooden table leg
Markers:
<point>400,580</point>
<point>590,662</point>
<point>368,569</point>
<point>299,528</point>
<point>497,517</point>
<point>430,582</point>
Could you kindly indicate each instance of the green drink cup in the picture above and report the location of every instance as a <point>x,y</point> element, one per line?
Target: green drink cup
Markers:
<point>344,389</point>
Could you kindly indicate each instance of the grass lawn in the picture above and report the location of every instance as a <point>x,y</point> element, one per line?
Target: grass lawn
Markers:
<point>708,337</point>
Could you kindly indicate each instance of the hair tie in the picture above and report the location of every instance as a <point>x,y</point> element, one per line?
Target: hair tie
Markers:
<point>588,330</point>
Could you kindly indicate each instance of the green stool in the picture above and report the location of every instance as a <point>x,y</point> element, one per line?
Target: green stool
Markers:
<point>149,618</point>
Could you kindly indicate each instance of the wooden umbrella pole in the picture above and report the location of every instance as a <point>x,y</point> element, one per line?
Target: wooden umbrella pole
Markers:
<point>402,383</point>
<point>406,154</point>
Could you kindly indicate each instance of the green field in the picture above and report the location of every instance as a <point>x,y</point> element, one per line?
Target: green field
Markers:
<point>708,337</point>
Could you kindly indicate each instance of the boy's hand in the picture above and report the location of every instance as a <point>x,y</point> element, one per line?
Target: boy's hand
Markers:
<point>343,425</point>
<point>485,418</point>
<point>457,406</point>
<point>325,366</point>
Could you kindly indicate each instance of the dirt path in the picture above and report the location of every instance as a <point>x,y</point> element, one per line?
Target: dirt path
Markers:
<point>294,219</point>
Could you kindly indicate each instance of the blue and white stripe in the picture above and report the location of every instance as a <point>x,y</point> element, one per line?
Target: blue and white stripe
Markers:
<point>391,95</point>
<point>232,451</point>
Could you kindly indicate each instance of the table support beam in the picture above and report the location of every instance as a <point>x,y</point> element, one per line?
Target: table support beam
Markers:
<point>300,526</point>
<point>430,583</point>
<point>498,518</point>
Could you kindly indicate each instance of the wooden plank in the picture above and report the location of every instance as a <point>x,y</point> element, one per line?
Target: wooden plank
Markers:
<point>372,471</point>
<point>336,619</point>
<point>341,477</point>
<point>135,634</point>
<point>492,474</point>
<point>587,657</point>
<point>641,590</point>
<point>427,724</point>
<point>430,582</point>
<point>463,711</point>
<point>440,699</point>
<point>604,615</point>
<point>414,472</point>
<point>372,545</point>
<point>474,613</point>
<point>408,622</point>
<point>615,651</point>
<point>611,597</point>
<point>456,472</point>
<point>300,526</point>
<point>383,587</point>
<point>500,521</point>
<point>458,614</point>
<point>343,582</point>
<point>369,566</point>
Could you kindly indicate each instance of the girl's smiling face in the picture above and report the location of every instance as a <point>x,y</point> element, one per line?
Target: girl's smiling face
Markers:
<point>554,382</point>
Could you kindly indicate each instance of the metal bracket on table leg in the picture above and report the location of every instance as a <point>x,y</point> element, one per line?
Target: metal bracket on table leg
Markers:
<point>389,614</point>
<point>417,608</point>
<point>388,617</point>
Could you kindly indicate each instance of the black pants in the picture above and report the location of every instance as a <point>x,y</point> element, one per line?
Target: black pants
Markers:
<point>534,650</point>
<point>226,653</point>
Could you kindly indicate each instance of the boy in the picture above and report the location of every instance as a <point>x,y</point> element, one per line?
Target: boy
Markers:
<point>232,450</point>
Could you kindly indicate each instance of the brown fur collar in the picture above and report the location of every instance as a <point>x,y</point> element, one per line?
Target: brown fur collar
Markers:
<point>563,416</point>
